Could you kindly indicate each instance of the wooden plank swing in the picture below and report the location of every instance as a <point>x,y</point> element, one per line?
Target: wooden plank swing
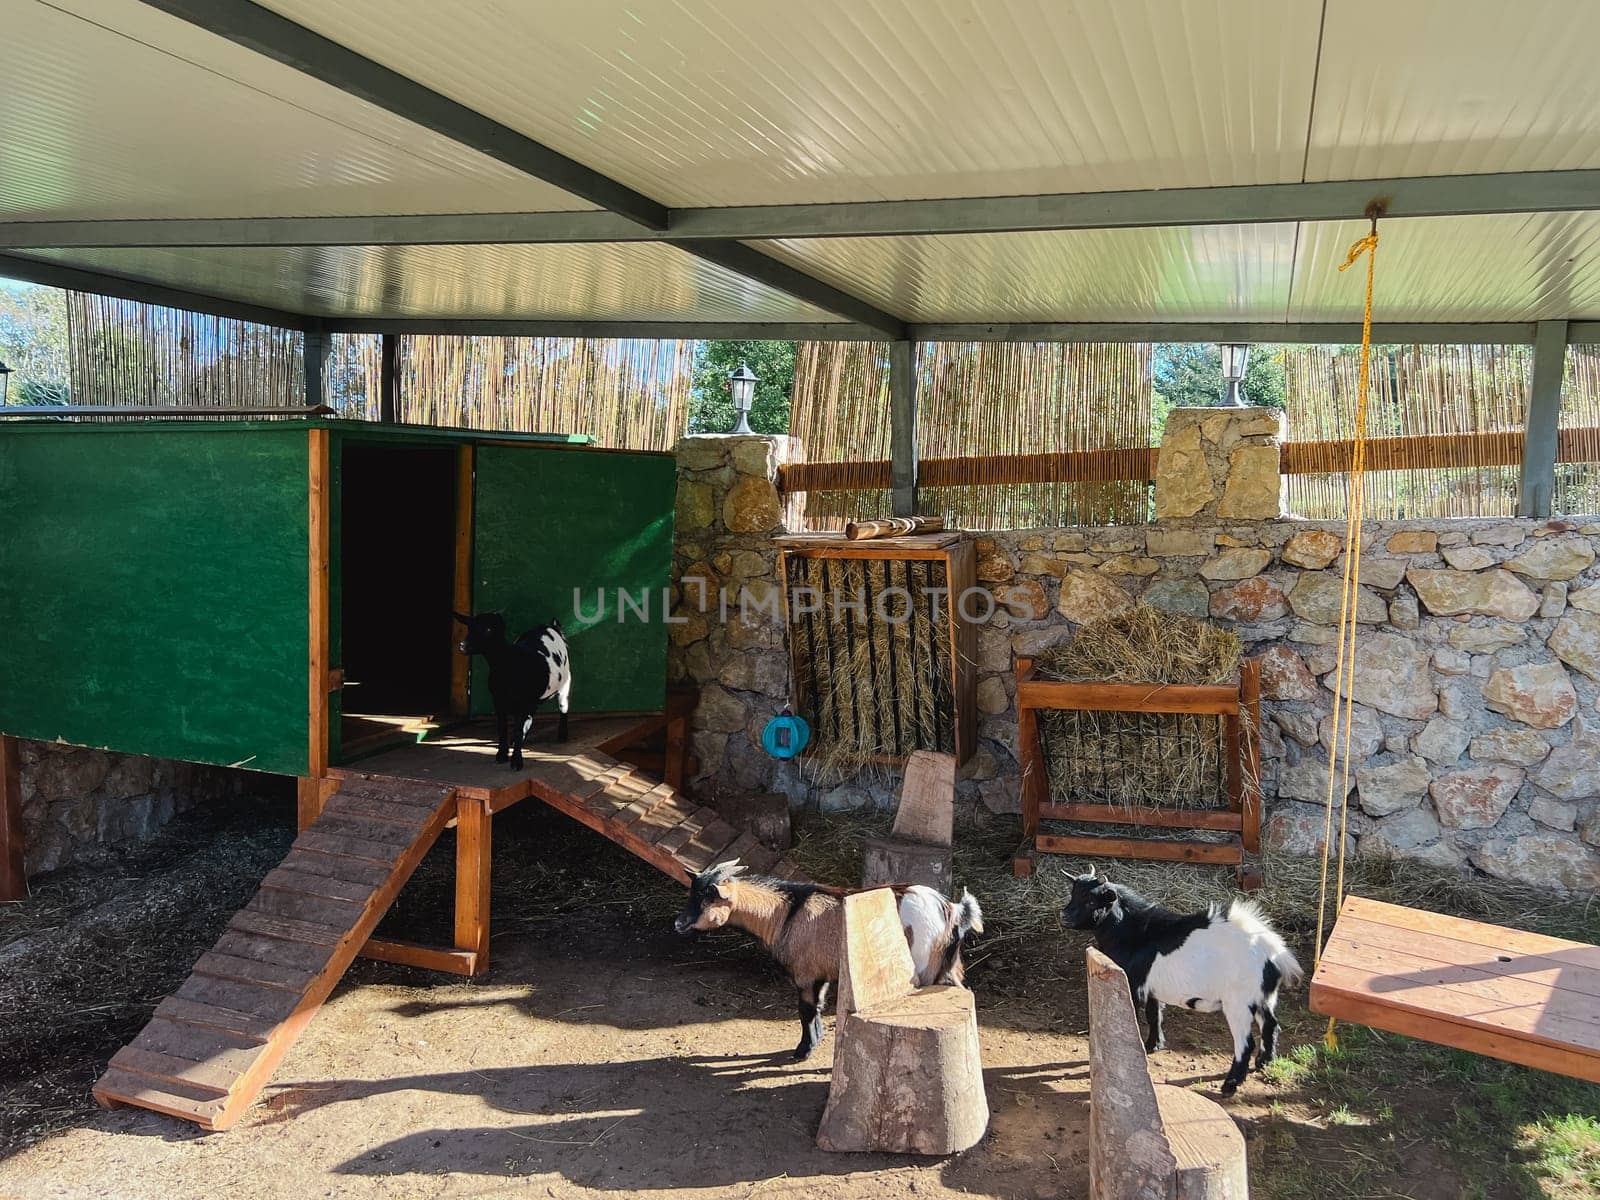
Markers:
<point>1503,993</point>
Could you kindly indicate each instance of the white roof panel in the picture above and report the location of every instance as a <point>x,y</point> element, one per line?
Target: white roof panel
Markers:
<point>1217,272</point>
<point>635,281</point>
<point>1456,87</point>
<point>112,109</point>
<point>1484,268</point>
<point>719,102</point>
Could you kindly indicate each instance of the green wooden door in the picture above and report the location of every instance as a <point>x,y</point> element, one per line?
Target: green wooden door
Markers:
<point>564,533</point>
<point>153,590</point>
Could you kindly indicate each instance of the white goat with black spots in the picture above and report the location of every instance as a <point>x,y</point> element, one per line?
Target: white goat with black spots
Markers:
<point>1226,959</point>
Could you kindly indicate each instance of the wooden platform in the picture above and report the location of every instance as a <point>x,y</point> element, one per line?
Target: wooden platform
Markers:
<point>1521,997</point>
<point>212,1045</point>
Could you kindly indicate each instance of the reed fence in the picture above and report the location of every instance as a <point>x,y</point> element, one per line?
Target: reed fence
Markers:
<point>123,353</point>
<point>1009,434</point>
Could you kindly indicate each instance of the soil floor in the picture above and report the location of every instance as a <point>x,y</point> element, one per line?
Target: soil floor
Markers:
<point>601,1055</point>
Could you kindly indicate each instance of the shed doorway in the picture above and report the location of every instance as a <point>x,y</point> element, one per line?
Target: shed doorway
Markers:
<point>397,563</point>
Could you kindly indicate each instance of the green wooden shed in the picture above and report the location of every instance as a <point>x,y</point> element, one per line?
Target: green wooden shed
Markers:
<point>276,594</point>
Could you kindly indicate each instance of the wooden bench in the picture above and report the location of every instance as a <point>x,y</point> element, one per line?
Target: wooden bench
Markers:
<point>1149,1141</point>
<point>1517,996</point>
<point>907,1076</point>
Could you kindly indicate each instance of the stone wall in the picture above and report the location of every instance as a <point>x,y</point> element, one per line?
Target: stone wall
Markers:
<point>1476,726</point>
<point>74,799</point>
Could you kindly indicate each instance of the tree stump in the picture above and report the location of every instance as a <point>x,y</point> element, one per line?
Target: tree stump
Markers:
<point>890,860</point>
<point>907,1076</point>
<point>918,848</point>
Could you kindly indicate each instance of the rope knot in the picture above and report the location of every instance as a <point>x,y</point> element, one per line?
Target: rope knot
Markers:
<point>1370,242</point>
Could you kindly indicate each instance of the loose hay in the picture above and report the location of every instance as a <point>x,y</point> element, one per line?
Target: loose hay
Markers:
<point>1139,759</point>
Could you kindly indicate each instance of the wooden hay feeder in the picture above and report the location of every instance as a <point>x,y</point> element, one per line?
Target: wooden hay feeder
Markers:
<point>875,690</point>
<point>1236,707</point>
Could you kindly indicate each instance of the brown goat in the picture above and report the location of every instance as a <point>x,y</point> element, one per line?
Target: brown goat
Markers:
<point>802,927</point>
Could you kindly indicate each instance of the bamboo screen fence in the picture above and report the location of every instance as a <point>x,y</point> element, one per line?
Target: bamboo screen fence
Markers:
<point>1010,434</point>
<point>352,379</point>
<point>1577,487</point>
<point>120,352</point>
<point>629,394</point>
<point>1465,405</point>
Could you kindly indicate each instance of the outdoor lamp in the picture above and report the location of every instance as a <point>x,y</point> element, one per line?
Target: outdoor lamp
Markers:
<point>742,383</point>
<point>5,381</point>
<point>1234,357</point>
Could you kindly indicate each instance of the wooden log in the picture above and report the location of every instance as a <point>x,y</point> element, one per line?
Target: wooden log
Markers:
<point>907,1077</point>
<point>926,812</point>
<point>1149,1141</point>
<point>861,531</point>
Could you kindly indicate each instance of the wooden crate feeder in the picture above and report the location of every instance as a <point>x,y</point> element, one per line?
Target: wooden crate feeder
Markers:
<point>1238,709</point>
<point>933,679</point>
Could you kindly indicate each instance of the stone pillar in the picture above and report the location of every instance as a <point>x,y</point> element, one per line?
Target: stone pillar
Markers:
<point>727,636</point>
<point>1220,463</point>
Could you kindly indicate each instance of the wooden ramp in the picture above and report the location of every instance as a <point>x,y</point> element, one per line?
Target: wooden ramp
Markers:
<point>1517,996</point>
<point>583,778</point>
<point>212,1045</point>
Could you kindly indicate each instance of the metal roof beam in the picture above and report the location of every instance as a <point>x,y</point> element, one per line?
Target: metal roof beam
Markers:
<point>265,32</point>
<point>778,331</point>
<point>1447,195</point>
<point>1334,333</point>
<point>53,274</point>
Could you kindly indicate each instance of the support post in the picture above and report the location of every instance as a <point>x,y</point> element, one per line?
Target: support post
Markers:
<point>13,871</point>
<point>1537,490</point>
<point>389,377</point>
<point>474,829</point>
<point>312,790</point>
<point>318,343</point>
<point>903,426</point>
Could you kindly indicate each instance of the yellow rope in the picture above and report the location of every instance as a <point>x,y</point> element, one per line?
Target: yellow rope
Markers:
<point>1344,679</point>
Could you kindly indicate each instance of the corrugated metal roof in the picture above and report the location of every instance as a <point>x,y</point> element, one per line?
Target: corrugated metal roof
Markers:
<point>713,102</point>
<point>636,281</point>
<point>1447,87</point>
<point>112,109</point>
<point>1499,268</point>
<point>1216,272</point>
<point>123,111</point>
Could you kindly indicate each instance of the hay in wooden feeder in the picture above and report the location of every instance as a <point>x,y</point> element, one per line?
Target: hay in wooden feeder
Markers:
<point>879,688</point>
<point>1150,760</point>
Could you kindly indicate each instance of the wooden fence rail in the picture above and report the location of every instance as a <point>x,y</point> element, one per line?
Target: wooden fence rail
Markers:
<point>1501,448</point>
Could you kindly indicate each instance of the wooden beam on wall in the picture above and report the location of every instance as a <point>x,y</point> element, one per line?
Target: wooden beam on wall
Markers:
<point>1537,490</point>
<point>13,872</point>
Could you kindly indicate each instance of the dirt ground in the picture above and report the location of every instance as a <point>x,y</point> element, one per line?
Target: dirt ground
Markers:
<point>604,1055</point>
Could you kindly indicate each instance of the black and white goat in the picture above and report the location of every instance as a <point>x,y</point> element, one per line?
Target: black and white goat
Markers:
<point>1226,959</point>
<point>802,927</point>
<point>522,675</point>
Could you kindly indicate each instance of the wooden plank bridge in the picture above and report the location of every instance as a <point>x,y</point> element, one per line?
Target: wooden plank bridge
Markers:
<point>211,1046</point>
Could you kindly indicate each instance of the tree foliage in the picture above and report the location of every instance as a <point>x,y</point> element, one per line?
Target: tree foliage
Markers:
<point>33,342</point>
<point>710,402</point>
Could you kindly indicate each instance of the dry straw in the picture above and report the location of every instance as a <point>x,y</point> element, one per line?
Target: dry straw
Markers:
<point>1139,759</point>
<point>879,689</point>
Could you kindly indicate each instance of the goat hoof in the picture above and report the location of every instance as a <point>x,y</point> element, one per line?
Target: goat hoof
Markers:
<point>516,764</point>
<point>1229,1087</point>
<point>1152,1047</point>
<point>501,757</point>
<point>801,1053</point>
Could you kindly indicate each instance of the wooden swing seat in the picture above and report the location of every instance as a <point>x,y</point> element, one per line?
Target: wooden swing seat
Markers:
<point>1517,996</point>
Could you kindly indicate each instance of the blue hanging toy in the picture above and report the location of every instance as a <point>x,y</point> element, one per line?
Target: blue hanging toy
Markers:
<point>785,735</point>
